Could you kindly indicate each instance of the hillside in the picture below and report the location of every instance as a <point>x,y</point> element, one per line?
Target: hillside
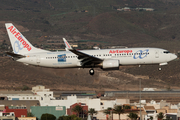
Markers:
<point>96,23</point>
<point>14,75</point>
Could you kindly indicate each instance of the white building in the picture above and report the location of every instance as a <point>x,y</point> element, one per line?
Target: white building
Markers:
<point>92,103</point>
<point>154,104</point>
<point>38,93</point>
<point>47,101</point>
<point>7,114</point>
<point>107,103</point>
<point>23,97</point>
<point>151,112</point>
<point>39,88</point>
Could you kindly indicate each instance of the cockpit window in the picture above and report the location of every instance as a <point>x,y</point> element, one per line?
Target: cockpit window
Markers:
<point>166,52</point>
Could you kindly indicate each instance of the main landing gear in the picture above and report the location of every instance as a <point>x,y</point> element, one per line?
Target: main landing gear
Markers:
<point>91,71</point>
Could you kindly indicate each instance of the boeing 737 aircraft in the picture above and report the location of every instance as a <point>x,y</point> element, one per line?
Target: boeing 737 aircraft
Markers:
<point>25,52</point>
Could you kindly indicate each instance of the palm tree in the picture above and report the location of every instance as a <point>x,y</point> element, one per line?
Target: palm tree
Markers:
<point>160,115</point>
<point>92,111</point>
<point>127,107</point>
<point>119,110</point>
<point>109,111</point>
<point>133,116</point>
<point>29,114</point>
<point>151,118</point>
<point>77,109</point>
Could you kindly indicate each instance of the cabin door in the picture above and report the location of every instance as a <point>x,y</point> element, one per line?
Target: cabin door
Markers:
<point>156,54</point>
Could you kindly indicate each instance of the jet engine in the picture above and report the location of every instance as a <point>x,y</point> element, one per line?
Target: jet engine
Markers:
<point>110,64</point>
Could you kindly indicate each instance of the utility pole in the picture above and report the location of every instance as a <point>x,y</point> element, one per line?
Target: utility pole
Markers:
<point>140,98</point>
<point>112,114</point>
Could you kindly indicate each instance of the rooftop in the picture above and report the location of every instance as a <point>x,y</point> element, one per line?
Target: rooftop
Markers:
<point>149,108</point>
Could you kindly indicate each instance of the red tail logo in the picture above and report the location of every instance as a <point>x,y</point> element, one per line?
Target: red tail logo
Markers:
<point>18,36</point>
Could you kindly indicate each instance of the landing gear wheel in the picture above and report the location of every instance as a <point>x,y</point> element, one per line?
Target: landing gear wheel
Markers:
<point>159,69</point>
<point>91,71</point>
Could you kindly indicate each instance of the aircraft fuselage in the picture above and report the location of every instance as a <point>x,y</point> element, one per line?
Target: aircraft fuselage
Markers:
<point>128,56</point>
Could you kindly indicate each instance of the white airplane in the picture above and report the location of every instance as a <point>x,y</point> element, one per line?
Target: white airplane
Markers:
<point>25,52</point>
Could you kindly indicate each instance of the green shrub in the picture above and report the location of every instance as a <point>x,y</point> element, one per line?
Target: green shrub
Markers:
<point>48,117</point>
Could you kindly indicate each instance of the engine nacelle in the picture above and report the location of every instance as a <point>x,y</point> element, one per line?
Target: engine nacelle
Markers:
<point>110,64</point>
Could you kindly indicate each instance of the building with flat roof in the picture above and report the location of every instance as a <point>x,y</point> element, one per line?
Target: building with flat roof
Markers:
<point>20,103</point>
<point>84,112</point>
<point>7,117</point>
<point>19,112</point>
<point>57,111</point>
<point>150,110</point>
<point>134,96</point>
<point>39,88</point>
<point>26,118</point>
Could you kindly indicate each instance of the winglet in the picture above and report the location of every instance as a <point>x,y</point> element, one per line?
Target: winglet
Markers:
<point>68,46</point>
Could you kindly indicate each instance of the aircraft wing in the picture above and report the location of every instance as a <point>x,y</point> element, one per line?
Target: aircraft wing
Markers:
<point>82,55</point>
<point>86,58</point>
<point>15,55</point>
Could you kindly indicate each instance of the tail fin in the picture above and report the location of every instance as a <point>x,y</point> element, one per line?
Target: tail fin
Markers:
<point>19,43</point>
<point>68,46</point>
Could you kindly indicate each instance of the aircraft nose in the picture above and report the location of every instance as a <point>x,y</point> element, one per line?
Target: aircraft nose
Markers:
<point>173,56</point>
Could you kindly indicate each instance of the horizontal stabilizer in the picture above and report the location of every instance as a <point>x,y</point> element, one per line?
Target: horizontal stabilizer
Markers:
<point>15,55</point>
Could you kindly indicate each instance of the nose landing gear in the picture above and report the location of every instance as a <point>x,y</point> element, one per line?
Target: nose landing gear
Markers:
<point>91,71</point>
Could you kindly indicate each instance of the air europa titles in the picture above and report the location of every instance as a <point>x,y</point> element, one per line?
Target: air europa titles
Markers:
<point>120,51</point>
<point>18,36</point>
<point>68,45</point>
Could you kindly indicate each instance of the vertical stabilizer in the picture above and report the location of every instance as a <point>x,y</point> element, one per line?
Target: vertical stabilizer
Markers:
<point>68,46</point>
<point>19,43</point>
